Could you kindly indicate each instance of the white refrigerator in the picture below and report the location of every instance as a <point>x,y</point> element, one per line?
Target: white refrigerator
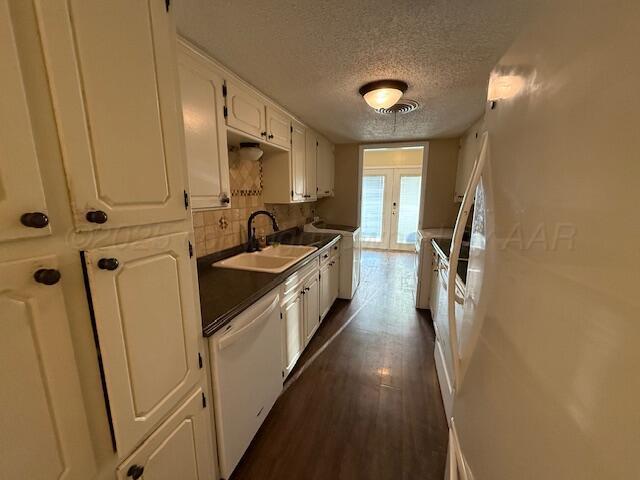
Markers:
<point>548,347</point>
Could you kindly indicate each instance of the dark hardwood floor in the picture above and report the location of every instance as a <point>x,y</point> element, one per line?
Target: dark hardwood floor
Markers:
<point>363,401</point>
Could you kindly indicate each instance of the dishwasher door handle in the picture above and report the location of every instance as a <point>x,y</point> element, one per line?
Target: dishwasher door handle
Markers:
<point>232,337</point>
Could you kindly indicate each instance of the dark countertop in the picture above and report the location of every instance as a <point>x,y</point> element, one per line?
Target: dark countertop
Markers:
<point>225,292</point>
<point>443,246</point>
<point>333,226</point>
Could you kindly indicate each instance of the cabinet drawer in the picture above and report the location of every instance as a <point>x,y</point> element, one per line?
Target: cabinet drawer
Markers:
<point>293,283</point>
<point>329,253</point>
<point>180,448</point>
<point>148,329</point>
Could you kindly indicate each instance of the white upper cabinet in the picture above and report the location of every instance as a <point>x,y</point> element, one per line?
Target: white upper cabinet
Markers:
<point>112,72</point>
<point>20,183</point>
<point>205,132</point>
<point>278,127</point>
<point>298,161</point>
<point>325,168</point>
<point>180,449</point>
<point>311,162</point>
<point>245,111</point>
<point>148,328</point>
<point>44,430</point>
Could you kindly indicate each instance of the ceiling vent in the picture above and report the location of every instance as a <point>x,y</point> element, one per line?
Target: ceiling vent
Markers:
<point>402,107</point>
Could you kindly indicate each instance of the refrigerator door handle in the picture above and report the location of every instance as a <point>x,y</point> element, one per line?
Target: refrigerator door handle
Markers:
<point>454,254</point>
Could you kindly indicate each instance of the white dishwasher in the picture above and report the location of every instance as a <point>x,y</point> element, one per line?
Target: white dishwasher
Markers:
<point>246,367</point>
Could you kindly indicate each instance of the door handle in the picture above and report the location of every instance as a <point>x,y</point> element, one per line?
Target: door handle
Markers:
<point>135,471</point>
<point>34,220</point>
<point>96,216</point>
<point>47,276</point>
<point>108,264</point>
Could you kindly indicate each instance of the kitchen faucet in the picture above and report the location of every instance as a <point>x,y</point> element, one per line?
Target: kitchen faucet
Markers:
<point>252,243</point>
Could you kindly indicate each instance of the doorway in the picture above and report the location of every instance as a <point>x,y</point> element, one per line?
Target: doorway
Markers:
<point>391,197</point>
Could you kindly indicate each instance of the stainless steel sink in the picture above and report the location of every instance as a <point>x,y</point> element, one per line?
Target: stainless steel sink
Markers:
<point>273,259</point>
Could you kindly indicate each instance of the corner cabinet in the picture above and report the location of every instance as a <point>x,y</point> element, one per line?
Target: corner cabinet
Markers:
<point>201,86</point>
<point>146,319</point>
<point>21,190</point>
<point>325,167</point>
<point>118,114</point>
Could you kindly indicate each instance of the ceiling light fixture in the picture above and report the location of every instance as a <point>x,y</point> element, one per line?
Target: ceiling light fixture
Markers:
<point>383,93</point>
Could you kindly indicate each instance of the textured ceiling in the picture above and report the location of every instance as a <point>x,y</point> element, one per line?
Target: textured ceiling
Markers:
<point>311,56</point>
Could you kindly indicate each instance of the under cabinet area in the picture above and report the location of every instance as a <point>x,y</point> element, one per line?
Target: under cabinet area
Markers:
<point>146,320</point>
<point>201,86</point>
<point>181,448</point>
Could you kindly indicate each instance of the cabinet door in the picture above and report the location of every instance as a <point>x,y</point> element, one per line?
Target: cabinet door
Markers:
<point>112,73</point>
<point>245,111</point>
<point>310,169</point>
<point>148,329</point>
<point>20,184</point>
<point>205,131</point>
<point>293,314</point>
<point>335,278</point>
<point>325,167</point>
<point>311,307</point>
<point>180,449</point>
<point>278,127</point>
<point>44,432</point>
<point>325,290</point>
<point>298,160</point>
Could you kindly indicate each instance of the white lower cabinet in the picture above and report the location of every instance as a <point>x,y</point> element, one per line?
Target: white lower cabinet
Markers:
<point>325,290</point>
<point>43,433</point>
<point>329,281</point>
<point>311,307</point>
<point>334,282</point>
<point>293,337</point>
<point>181,448</point>
<point>148,329</point>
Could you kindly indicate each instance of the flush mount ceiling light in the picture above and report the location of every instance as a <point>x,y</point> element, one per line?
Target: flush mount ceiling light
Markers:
<point>383,93</point>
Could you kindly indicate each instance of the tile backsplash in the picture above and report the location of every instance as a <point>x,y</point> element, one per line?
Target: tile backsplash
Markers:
<point>220,229</point>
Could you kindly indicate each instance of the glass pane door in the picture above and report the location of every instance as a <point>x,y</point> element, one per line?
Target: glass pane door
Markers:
<point>406,208</point>
<point>376,193</point>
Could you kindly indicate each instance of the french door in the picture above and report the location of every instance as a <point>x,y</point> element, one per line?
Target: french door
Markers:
<point>390,207</point>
